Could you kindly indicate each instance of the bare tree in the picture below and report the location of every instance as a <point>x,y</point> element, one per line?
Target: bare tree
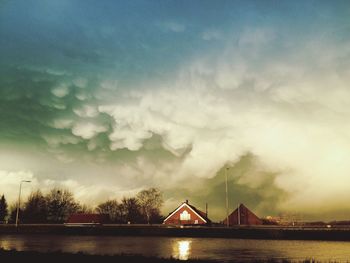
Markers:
<point>111,208</point>
<point>85,209</point>
<point>60,205</point>
<point>150,201</point>
<point>131,210</point>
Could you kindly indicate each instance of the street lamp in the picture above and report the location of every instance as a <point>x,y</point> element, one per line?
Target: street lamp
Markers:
<point>227,222</point>
<point>19,199</point>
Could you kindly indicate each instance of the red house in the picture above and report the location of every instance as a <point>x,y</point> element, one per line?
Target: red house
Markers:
<point>242,216</point>
<point>87,219</point>
<point>187,214</point>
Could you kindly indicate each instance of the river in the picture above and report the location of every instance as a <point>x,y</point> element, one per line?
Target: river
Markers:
<point>183,248</point>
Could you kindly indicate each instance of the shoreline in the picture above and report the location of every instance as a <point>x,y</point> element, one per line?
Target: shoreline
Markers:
<point>241,232</point>
<point>16,255</point>
<point>59,256</point>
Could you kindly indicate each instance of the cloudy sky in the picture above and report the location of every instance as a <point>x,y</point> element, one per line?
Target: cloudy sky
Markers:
<point>106,98</point>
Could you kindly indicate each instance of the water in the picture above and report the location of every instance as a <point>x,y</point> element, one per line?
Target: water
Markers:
<point>184,248</point>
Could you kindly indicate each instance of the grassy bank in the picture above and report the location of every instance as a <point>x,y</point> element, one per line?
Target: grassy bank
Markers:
<point>31,256</point>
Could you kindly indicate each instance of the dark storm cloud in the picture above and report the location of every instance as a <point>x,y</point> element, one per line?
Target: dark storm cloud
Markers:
<point>134,94</point>
<point>263,197</point>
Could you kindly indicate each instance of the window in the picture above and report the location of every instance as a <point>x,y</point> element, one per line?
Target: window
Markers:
<point>185,216</point>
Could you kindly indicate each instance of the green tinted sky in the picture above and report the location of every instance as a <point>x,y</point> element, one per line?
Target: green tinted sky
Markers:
<point>109,97</point>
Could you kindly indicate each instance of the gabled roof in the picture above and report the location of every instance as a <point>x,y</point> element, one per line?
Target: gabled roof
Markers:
<point>199,213</point>
<point>243,215</point>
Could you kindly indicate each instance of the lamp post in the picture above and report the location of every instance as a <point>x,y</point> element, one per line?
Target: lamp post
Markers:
<point>227,222</point>
<point>19,199</point>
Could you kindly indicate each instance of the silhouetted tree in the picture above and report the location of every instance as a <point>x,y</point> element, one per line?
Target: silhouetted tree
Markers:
<point>156,217</point>
<point>35,209</point>
<point>3,209</point>
<point>131,210</point>
<point>12,213</point>
<point>121,214</point>
<point>84,209</point>
<point>150,202</point>
<point>112,209</point>
<point>60,205</point>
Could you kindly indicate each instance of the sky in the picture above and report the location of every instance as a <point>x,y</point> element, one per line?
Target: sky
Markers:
<point>106,98</point>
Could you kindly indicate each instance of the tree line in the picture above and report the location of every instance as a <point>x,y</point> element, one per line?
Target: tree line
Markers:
<point>58,205</point>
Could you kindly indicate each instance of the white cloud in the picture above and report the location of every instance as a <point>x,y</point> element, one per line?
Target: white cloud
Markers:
<point>10,181</point>
<point>88,129</point>
<point>290,109</point>
<point>86,111</point>
<point>292,115</point>
<point>60,91</point>
<point>81,95</point>
<point>54,140</point>
<point>62,123</point>
<point>80,82</point>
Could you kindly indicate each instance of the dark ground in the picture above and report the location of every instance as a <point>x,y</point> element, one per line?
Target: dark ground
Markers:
<point>30,256</point>
<point>242,232</point>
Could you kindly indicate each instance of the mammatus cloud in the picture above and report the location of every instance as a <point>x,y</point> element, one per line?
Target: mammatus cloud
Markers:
<point>129,100</point>
<point>60,91</point>
<point>290,115</point>
<point>88,130</point>
<point>209,114</point>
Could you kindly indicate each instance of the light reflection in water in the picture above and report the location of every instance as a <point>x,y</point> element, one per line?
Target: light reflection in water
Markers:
<point>11,244</point>
<point>5,245</point>
<point>182,249</point>
<point>185,248</point>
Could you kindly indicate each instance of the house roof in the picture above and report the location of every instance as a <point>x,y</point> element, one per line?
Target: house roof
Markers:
<point>242,208</point>
<point>245,215</point>
<point>200,213</point>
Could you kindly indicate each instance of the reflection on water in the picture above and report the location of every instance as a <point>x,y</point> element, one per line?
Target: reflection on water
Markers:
<point>8,245</point>
<point>182,249</point>
<point>5,244</point>
<point>221,249</point>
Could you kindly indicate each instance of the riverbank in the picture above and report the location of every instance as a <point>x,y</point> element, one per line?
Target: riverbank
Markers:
<point>17,256</point>
<point>241,232</point>
<point>32,256</point>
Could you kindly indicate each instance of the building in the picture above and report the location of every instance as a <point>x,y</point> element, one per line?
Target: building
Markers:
<point>187,214</point>
<point>87,219</point>
<point>242,216</point>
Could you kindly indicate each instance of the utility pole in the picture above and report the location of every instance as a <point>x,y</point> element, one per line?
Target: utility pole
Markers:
<point>19,199</point>
<point>227,222</point>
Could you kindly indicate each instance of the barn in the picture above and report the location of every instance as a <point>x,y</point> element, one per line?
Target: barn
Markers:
<point>187,214</point>
<point>242,216</point>
<point>87,219</point>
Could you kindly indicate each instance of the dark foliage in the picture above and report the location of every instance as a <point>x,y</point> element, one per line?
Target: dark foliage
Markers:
<point>145,208</point>
<point>35,209</point>
<point>3,209</point>
<point>60,205</point>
